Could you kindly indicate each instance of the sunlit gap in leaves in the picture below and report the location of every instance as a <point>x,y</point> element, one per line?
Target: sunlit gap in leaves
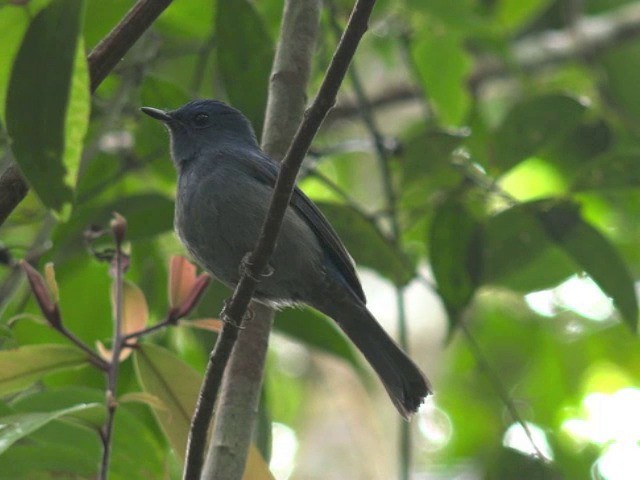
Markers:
<point>579,294</point>
<point>516,438</point>
<point>610,421</point>
<point>285,447</point>
<point>434,425</point>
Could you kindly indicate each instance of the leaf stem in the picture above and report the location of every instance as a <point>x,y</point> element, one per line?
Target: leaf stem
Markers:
<point>112,372</point>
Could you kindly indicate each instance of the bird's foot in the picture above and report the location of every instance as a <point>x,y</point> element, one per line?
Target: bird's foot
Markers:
<point>226,318</point>
<point>246,268</point>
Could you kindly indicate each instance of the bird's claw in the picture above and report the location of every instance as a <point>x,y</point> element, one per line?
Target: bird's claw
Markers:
<point>245,269</point>
<point>226,318</point>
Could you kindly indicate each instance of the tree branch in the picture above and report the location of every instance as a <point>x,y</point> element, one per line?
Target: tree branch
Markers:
<point>242,383</point>
<point>259,258</point>
<point>587,37</point>
<point>106,55</point>
<point>102,59</point>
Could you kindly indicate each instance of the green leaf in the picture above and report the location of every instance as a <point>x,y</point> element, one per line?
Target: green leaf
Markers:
<point>176,385</point>
<point>366,244</point>
<point>619,170</point>
<point>534,124</point>
<point>23,366</point>
<point>426,159</point>
<point>518,254</point>
<point>455,255</point>
<point>14,22</point>
<point>38,98</point>
<point>166,377</point>
<point>580,147</point>
<point>77,117</point>
<point>513,14</point>
<point>135,209</point>
<point>538,244</point>
<point>48,461</point>
<point>621,66</point>
<point>51,400</point>
<point>245,54</point>
<point>194,18</point>
<point>444,66</point>
<point>593,252</point>
<point>15,427</point>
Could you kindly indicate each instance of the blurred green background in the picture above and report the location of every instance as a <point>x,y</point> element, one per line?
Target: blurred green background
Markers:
<point>494,189</point>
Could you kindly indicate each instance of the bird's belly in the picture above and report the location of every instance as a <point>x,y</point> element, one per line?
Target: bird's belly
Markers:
<point>219,239</point>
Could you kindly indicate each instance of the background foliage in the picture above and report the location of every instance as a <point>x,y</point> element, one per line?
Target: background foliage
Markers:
<point>508,134</point>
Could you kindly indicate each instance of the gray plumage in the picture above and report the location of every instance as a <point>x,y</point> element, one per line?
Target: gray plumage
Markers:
<point>225,183</point>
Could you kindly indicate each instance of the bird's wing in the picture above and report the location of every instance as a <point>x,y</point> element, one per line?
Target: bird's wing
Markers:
<point>266,171</point>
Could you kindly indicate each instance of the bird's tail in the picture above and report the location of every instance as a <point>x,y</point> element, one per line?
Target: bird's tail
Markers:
<point>405,383</point>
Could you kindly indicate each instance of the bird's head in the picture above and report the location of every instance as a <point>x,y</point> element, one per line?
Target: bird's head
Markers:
<point>203,125</point>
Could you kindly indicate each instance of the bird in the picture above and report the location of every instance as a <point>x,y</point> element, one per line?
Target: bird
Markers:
<point>225,182</point>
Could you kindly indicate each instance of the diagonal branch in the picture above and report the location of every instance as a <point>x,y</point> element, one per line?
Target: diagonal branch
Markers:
<point>242,385</point>
<point>102,59</point>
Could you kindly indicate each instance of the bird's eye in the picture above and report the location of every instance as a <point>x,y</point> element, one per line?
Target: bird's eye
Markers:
<point>201,119</point>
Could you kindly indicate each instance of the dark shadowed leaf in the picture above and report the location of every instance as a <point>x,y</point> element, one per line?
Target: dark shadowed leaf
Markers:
<point>533,124</point>
<point>576,150</point>
<point>621,66</point>
<point>518,254</point>
<point>14,22</point>
<point>365,243</point>
<point>619,170</point>
<point>147,215</point>
<point>593,252</point>
<point>455,255</point>
<point>245,53</point>
<point>39,93</point>
<point>23,366</point>
<point>426,159</point>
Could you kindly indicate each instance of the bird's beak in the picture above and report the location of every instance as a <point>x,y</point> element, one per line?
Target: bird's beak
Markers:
<point>157,114</point>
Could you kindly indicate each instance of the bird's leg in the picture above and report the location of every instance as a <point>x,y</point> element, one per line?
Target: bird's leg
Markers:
<point>246,269</point>
<point>248,315</point>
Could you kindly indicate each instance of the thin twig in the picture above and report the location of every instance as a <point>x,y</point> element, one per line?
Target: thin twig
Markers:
<point>383,157</point>
<point>96,359</point>
<point>500,389</point>
<point>259,258</point>
<point>167,322</point>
